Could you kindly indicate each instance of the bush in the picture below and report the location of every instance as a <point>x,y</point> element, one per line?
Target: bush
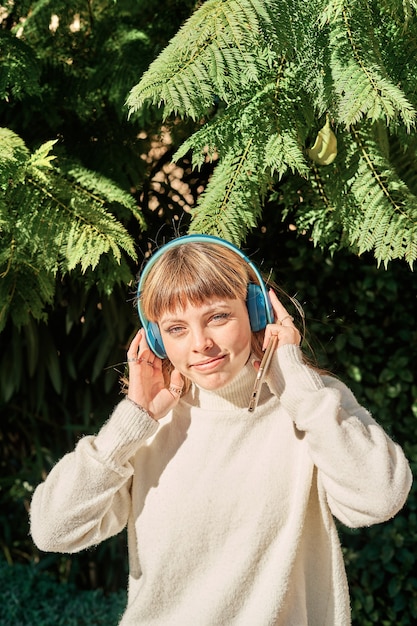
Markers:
<point>31,596</point>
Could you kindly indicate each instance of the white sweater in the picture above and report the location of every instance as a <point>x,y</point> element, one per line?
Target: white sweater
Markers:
<point>230,513</point>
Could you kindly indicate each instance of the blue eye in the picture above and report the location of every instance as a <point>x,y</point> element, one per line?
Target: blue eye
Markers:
<point>219,317</point>
<point>175,330</point>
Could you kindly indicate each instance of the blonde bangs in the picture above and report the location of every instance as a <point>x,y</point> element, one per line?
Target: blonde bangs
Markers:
<point>193,273</point>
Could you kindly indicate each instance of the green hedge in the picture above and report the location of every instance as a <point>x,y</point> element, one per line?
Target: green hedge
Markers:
<point>31,597</point>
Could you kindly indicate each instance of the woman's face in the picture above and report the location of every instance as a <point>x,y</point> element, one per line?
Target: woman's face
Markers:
<point>208,343</point>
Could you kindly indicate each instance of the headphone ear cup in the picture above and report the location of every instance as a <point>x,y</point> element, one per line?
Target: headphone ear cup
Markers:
<point>257,307</point>
<point>154,339</point>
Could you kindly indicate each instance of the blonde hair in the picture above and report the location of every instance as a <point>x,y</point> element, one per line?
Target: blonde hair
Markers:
<point>195,272</point>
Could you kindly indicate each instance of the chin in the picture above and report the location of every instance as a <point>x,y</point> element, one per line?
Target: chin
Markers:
<point>212,384</point>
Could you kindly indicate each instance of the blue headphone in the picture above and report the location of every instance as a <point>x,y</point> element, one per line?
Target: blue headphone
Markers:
<point>257,299</point>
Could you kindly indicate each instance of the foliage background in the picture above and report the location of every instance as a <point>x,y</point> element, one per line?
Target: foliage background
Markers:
<point>59,368</point>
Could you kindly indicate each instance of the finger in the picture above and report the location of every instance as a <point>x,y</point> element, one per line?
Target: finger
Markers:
<point>256,363</point>
<point>143,345</point>
<point>279,309</point>
<point>133,350</point>
<point>145,353</point>
<point>282,316</point>
<point>139,352</point>
<point>177,379</point>
<point>270,330</point>
<point>176,384</point>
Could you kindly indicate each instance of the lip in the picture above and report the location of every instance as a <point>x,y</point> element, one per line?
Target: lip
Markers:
<point>208,364</point>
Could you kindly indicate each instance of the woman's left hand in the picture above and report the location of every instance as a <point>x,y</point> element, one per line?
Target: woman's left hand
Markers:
<point>146,380</point>
<point>283,326</point>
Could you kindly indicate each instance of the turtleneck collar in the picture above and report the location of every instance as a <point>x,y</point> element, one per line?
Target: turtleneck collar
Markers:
<point>235,395</point>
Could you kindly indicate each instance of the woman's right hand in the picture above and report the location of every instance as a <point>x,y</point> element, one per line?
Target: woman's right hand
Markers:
<point>146,381</point>
<point>283,326</point>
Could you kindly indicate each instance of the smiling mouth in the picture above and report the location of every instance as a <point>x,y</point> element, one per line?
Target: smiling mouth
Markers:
<point>209,363</point>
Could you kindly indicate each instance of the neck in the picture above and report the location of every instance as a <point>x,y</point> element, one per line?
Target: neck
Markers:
<point>235,395</point>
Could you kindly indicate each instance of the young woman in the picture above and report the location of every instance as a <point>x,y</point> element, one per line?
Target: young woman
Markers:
<point>230,512</point>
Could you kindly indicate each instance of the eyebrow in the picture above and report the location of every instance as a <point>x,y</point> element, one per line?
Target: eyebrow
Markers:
<point>210,309</point>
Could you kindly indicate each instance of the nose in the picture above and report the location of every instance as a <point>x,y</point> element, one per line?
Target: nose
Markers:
<point>202,340</point>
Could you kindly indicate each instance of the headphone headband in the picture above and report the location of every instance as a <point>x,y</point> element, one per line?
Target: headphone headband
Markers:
<point>261,309</point>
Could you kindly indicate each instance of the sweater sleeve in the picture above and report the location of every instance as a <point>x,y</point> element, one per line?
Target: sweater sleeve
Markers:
<point>86,496</point>
<point>362,473</point>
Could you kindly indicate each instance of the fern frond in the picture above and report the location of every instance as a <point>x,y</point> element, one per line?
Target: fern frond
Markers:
<point>276,132</point>
<point>217,50</point>
<point>361,82</point>
<point>389,235</point>
<point>19,68</point>
<point>24,291</point>
<point>57,219</point>
<point>102,189</point>
<point>79,227</point>
<point>14,156</point>
<point>387,210</point>
<point>330,58</point>
<point>403,159</point>
<point>401,10</point>
<point>331,12</point>
<point>232,123</point>
<point>399,60</point>
<point>125,53</point>
<point>232,201</point>
<point>41,159</point>
<point>320,205</point>
<point>282,152</point>
<point>91,236</point>
<point>358,201</point>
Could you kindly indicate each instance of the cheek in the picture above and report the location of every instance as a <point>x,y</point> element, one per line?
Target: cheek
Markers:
<point>173,351</point>
<point>242,339</point>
